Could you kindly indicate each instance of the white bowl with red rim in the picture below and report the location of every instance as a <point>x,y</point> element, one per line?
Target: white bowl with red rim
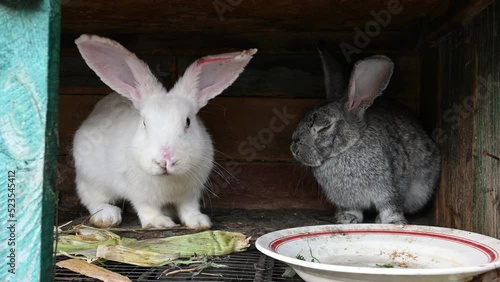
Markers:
<point>382,252</point>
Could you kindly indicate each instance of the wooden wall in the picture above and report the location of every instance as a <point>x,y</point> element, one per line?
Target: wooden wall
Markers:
<point>285,75</point>
<point>262,177</point>
<point>468,128</point>
<point>453,86</point>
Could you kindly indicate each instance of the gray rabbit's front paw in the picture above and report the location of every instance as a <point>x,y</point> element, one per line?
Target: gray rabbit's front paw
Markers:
<point>349,216</point>
<point>391,217</point>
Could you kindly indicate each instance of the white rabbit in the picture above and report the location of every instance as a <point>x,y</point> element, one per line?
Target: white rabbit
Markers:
<point>145,144</point>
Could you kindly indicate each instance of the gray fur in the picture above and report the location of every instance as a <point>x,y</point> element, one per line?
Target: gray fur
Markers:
<point>334,81</point>
<point>367,156</point>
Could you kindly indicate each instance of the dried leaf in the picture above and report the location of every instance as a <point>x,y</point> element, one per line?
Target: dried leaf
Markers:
<point>93,271</point>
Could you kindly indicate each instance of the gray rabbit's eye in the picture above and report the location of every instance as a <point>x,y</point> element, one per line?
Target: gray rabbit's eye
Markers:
<point>324,128</point>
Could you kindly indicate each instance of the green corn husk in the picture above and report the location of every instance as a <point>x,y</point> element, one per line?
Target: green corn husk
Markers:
<point>208,243</point>
<point>289,272</point>
<point>87,238</point>
<point>134,256</point>
<point>160,251</point>
<point>94,244</point>
<point>87,255</point>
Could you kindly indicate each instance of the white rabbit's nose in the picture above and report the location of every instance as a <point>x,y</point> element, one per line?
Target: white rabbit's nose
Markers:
<point>163,163</point>
<point>166,158</point>
<point>167,164</point>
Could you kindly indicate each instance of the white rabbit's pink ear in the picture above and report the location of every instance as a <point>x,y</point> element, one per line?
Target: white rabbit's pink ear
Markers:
<point>369,78</point>
<point>209,76</point>
<point>119,68</point>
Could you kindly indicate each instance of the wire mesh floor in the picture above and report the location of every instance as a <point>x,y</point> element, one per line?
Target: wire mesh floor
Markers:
<point>251,265</point>
<point>247,266</point>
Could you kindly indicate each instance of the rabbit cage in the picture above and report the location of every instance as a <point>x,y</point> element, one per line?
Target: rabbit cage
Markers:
<point>446,71</point>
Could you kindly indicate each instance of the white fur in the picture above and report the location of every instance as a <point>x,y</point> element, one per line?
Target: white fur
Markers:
<point>117,156</point>
<point>119,167</point>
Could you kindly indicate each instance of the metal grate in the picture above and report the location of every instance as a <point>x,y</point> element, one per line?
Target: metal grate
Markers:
<point>248,266</point>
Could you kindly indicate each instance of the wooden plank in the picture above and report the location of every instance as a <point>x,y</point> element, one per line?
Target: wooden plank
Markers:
<point>268,186</point>
<point>302,76</point>
<point>28,137</point>
<point>470,191</point>
<point>232,122</point>
<point>298,75</point>
<point>214,41</point>
<point>77,77</point>
<point>455,196</point>
<point>449,15</point>
<point>164,16</point>
<point>266,76</point>
<point>486,217</point>
<point>233,184</point>
<point>242,128</point>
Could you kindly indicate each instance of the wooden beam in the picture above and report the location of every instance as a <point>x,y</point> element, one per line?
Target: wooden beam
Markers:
<point>233,184</point>
<point>233,123</point>
<point>215,41</point>
<point>448,16</point>
<point>287,76</point>
<point>230,121</point>
<point>243,16</point>
<point>29,47</point>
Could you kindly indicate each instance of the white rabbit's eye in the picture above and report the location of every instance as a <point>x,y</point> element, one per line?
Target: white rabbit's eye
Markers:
<point>144,123</point>
<point>188,122</point>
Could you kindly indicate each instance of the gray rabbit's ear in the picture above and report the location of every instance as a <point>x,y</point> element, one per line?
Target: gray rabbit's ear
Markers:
<point>369,78</point>
<point>334,78</point>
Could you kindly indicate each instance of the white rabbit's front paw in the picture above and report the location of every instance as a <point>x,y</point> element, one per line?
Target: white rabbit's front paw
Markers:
<point>107,216</point>
<point>197,221</point>
<point>160,221</point>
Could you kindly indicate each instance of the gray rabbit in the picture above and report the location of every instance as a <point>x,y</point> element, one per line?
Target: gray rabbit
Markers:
<point>366,156</point>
